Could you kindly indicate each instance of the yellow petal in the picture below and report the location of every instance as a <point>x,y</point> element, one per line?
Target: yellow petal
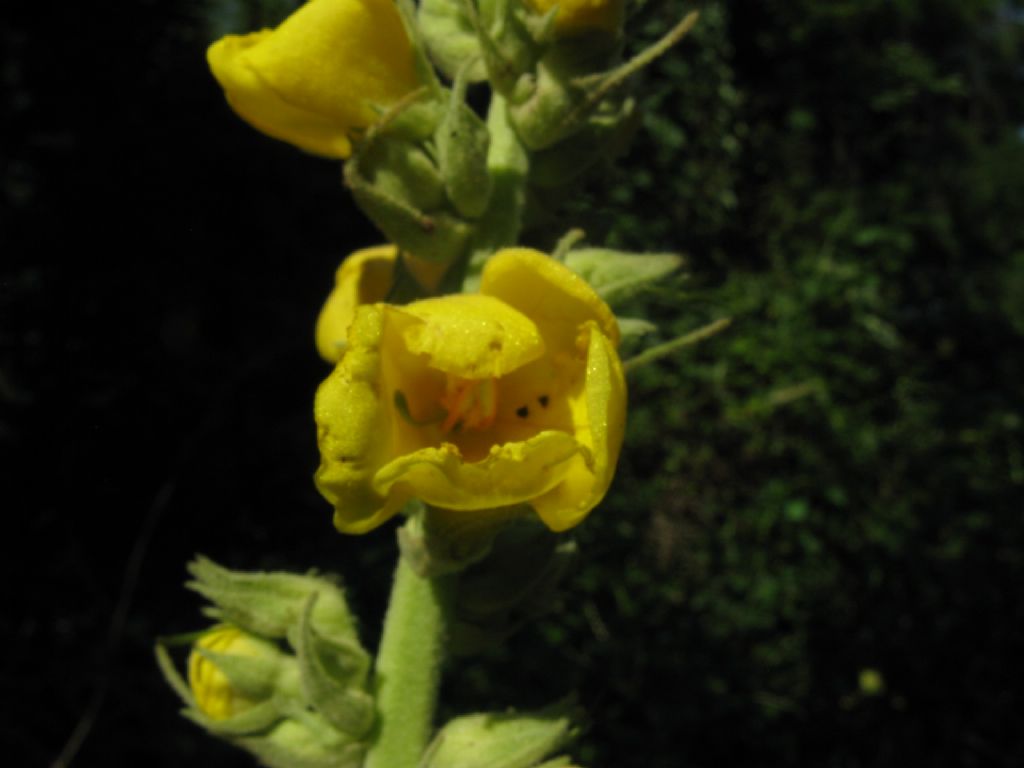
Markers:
<point>363,278</point>
<point>511,474</point>
<point>470,336</point>
<point>215,696</point>
<point>600,421</point>
<point>354,429</point>
<point>583,14</point>
<point>549,293</point>
<point>323,74</point>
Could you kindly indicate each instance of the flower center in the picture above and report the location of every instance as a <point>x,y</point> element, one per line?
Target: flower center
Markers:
<point>470,403</point>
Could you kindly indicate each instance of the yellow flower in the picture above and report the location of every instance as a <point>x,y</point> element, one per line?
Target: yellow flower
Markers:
<point>215,696</point>
<point>365,278</point>
<point>577,15</point>
<point>476,401</point>
<point>320,76</point>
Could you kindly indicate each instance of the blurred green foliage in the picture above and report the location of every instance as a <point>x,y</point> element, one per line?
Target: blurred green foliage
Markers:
<point>831,492</point>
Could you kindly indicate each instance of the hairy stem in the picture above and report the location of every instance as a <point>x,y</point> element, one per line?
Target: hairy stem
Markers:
<point>408,668</point>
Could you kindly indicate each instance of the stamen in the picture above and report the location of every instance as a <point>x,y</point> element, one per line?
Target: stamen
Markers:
<point>456,405</point>
<point>470,403</point>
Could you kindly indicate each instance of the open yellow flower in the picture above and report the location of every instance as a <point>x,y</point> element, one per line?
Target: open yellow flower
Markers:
<point>323,74</point>
<point>578,15</point>
<point>476,401</point>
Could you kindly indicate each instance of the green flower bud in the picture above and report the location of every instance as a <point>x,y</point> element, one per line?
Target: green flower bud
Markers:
<point>571,84</point>
<point>548,113</point>
<point>506,740</point>
<point>307,708</point>
<point>230,671</point>
<point>401,189</point>
<point>433,236</point>
<point>246,690</point>
<point>402,170</point>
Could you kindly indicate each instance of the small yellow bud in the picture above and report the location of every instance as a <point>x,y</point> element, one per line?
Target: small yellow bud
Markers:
<point>214,693</point>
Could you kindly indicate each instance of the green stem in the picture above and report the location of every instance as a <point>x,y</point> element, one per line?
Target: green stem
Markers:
<point>659,351</point>
<point>408,668</point>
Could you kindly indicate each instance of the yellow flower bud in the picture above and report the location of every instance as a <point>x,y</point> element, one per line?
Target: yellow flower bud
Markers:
<point>579,15</point>
<point>475,401</point>
<point>215,695</point>
<point>321,76</point>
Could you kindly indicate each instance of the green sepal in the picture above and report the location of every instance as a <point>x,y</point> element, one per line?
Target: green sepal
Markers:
<point>438,541</point>
<point>430,236</point>
<point>170,673</point>
<point>502,740</point>
<point>603,137</point>
<point>398,168</point>
<point>571,85</point>
<point>333,676</point>
<point>632,328</point>
<point>618,275</point>
<point>395,180</point>
<point>255,677</point>
<point>259,717</point>
<point>462,142</point>
<point>270,604</point>
<point>451,38</point>
<point>515,583</point>
<point>421,58</point>
<point>540,26</point>
<point>415,119</point>
<point>508,46</point>
<point>540,110</point>
<point>401,190</point>
<point>253,720</point>
<point>293,743</point>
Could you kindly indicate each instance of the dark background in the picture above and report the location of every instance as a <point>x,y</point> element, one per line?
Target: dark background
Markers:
<point>833,486</point>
